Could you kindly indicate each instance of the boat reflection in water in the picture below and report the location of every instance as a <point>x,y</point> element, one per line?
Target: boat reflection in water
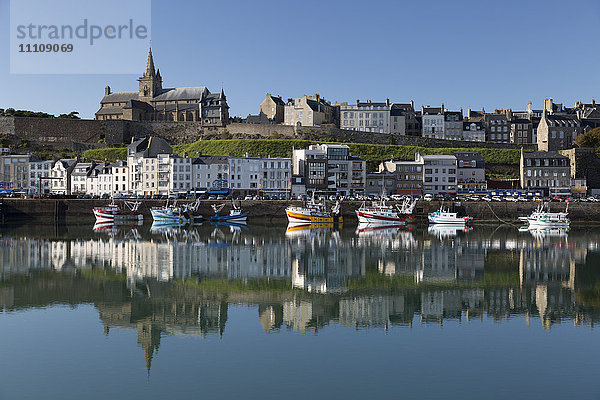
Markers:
<point>443,231</point>
<point>382,230</point>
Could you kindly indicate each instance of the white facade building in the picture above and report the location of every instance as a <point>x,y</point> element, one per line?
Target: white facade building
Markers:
<point>433,122</point>
<point>180,174</point>
<point>210,172</point>
<point>366,117</point>
<point>61,172</point>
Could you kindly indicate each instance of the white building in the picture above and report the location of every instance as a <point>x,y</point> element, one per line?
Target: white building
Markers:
<point>108,179</point>
<point>439,173</point>
<point>366,117</point>
<point>269,176</point>
<point>210,172</point>
<point>148,164</point>
<point>473,131</point>
<point>79,177</point>
<point>61,172</point>
<point>433,122</point>
<point>40,169</point>
<point>180,174</point>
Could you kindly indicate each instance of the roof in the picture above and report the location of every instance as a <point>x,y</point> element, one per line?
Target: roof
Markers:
<point>468,155</point>
<point>467,125</point>
<point>520,121</point>
<point>207,160</point>
<point>149,147</point>
<point>120,97</point>
<point>67,162</point>
<point>184,93</point>
<point>432,110</point>
<point>109,110</point>
<point>543,154</point>
<point>277,100</point>
<point>453,116</point>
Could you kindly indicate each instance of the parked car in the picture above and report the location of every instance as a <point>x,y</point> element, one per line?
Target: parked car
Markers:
<point>428,197</point>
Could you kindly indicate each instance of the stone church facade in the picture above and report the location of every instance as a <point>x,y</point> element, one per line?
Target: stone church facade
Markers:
<point>152,102</point>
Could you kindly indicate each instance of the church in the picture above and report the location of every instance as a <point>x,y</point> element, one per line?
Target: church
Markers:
<point>152,102</point>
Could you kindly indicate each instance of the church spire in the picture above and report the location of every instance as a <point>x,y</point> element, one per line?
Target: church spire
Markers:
<point>150,65</point>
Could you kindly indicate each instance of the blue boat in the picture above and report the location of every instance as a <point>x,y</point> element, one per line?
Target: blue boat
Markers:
<point>235,214</point>
<point>169,214</point>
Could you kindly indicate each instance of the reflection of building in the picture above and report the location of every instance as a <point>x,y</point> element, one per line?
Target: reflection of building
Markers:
<point>370,310</point>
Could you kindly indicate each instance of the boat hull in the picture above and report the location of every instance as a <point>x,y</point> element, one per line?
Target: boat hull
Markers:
<point>103,215</point>
<point>167,218</point>
<point>298,217</point>
<point>448,220</point>
<point>378,219</point>
<point>230,218</point>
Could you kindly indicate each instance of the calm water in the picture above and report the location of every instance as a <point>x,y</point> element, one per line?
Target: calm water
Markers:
<point>261,312</point>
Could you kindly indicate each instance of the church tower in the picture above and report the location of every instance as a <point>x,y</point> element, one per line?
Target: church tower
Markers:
<point>150,82</point>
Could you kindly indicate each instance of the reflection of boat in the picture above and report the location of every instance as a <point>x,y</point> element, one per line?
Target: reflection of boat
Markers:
<point>165,227</point>
<point>380,213</point>
<point>447,230</point>
<point>541,218</point>
<point>233,226</point>
<point>107,227</point>
<point>310,229</point>
<point>113,213</point>
<point>313,212</point>
<point>369,229</point>
<point>170,214</point>
<point>442,216</point>
<point>235,214</point>
<point>545,232</point>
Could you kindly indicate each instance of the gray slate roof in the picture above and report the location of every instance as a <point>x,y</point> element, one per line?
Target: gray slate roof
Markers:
<point>543,154</point>
<point>120,97</point>
<point>185,93</point>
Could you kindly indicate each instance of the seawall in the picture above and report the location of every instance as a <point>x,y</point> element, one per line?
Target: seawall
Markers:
<point>76,210</point>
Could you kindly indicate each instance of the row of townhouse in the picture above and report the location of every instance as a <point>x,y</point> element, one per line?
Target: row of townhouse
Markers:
<point>554,127</point>
<point>462,172</point>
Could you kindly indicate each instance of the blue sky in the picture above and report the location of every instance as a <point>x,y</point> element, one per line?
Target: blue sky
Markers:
<point>468,54</point>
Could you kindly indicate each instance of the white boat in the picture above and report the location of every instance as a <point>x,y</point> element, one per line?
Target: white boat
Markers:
<point>379,213</point>
<point>112,213</point>
<point>170,214</point>
<point>540,218</point>
<point>442,216</point>
<point>313,212</point>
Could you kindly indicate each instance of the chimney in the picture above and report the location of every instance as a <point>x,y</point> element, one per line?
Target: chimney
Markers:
<point>387,102</point>
<point>107,90</point>
<point>442,108</point>
<point>317,97</point>
<point>412,104</point>
<point>593,102</point>
<point>369,101</point>
<point>357,101</point>
<point>469,113</point>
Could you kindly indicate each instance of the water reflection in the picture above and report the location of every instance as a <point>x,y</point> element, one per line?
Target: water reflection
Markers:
<point>178,280</point>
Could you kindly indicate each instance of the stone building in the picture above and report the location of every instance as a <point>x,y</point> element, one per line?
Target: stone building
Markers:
<point>473,131</point>
<point>378,183</point>
<point>497,127</point>
<point>308,111</point>
<point>152,102</point>
<point>366,116</point>
<point>453,125</point>
<point>521,131</point>
<point>557,132</point>
<point>545,170</point>
<point>403,120</point>
<point>273,107</point>
<point>585,166</point>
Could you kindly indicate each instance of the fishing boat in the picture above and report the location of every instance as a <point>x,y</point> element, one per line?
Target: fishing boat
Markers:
<point>170,214</point>
<point>191,212</point>
<point>442,216</point>
<point>379,213</point>
<point>235,214</point>
<point>114,214</point>
<point>544,218</point>
<point>313,212</point>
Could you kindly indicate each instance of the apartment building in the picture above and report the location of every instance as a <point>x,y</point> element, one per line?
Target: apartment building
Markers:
<point>433,122</point>
<point>39,169</point>
<point>408,176</point>
<point>79,177</point>
<point>521,131</point>
<point>453,125</point>
<point>330,169</point>
<point>497,127</point>
<point>148,164</point>
<point>14,172</point>
<point>403,120</point>
<point>557,132</point>
<point>439,173</point>
<point>473,131</point>
<point>470,172</point>
<point>265,175</point>
<point>210,172</point>
<point>368,117</point>
<point>61,174</point>
<point>180,174</point>
<point>545,170</point>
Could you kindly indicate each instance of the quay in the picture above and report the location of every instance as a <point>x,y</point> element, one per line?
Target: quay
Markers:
<point>75,210</point>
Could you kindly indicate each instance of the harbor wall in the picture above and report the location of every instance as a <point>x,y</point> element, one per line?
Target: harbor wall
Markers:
<point>80,210</point>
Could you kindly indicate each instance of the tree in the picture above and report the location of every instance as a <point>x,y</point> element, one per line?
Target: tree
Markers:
<point>589,139</point>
